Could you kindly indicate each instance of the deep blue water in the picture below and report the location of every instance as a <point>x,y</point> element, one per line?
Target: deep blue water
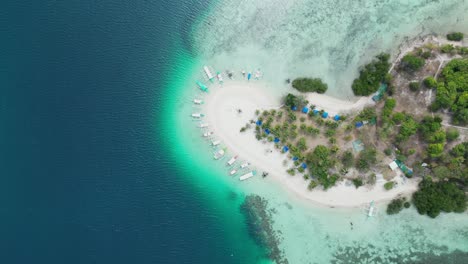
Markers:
<point>83,176</point>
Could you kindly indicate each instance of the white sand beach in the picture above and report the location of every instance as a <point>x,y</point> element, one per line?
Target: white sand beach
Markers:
<point>221,109</point>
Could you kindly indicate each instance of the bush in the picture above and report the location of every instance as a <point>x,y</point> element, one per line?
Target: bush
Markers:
<point>414,86</point>
<point>447,48</point>
<point>358,182</point>
<point>435,197</point>
<point>452,133</point>
<point>411,63</point>
<point>388,151</point>
<point>389,185</point>
<point>347,159</point>
<point>372,75</point>
<point>455,36</point>
<point>407,205</point>
<point>430,82</point>
<point>310,85</point>
<point>395,206</point>
<point>312,185</point>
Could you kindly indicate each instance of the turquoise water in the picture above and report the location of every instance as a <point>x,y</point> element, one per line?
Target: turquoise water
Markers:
<point>331,40</point>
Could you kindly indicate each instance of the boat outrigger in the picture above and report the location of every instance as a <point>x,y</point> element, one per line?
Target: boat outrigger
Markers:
<point>208,72</point>
<point>202,86</point>
<point>219,154</point>
<point>232,160</point>
<point>247,176</point>
<point>197,115</point>
<point>232,172</point>
<point>245,165</point>
<point>220,78</point>
<point>207,134</point>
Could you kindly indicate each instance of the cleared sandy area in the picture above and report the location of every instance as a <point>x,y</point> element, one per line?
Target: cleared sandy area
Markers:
<point>221,109</point>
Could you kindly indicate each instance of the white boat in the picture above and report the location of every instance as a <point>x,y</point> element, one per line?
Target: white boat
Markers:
<point>234,171</point>
<point>371,210</point>
<point>257,75</point>
<point>232,160</point>
<point>203,125</point>
<point>197,101</point>
<point>220,78</point>
<point>247,176</point>
<point>208,72</point>
<point>207,134</point>
<point>197,115</point>
<point>245,165</point>
<point>215,143</point>
<point>218,154</point>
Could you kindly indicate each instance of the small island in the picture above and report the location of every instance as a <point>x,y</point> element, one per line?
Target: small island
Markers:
<point>405,141</point>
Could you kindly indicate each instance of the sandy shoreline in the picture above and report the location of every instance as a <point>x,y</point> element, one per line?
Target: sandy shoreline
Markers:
<point>221,110</point>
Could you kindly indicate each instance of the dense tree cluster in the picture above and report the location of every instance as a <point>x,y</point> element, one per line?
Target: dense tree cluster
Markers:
<point>293,100</point>
<point>452,90</point>
<point>310,85</point>
<point>395,206</point>
<point>320,162</point>
<point>372,75</point>
<point>442,196</point>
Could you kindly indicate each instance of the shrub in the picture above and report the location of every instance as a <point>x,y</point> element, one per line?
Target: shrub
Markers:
<point>310,85</point>
<point>407,205</point>
<point>389,185</point>
<point>347,159</point>
<point>455,36</point>
<point>411,63</point>
<point>371,76</point>
<point>452,133</point>
<point>430,82</point>
<point>426,54</point>
<point>447,48</point>
<point>388,151</point>
<point>312,185</point>
<point>358,182</point>
<point>414,86</point>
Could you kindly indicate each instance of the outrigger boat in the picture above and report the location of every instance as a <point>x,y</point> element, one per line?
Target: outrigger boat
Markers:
<point>202,86</point>
<point>215,143</point>
<point>232,160</point>
<point>247,176</point>
<point>371,210</point>
<point>207,134</point>
<point>197,115</point>
<point>197,101</point>
<point>232,172</point>
<point>249,76</point>
<point>219,154</point>
<point>208,72</point>
<point>203,125</point>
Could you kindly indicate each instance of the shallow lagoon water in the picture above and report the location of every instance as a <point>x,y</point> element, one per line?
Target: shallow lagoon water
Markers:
<point>327,39</point>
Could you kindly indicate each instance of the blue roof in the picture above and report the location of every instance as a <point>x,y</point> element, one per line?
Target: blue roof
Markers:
<point>325,115</point>
<point>276,140</point>
<point>336,118</point>
<point>305,110</point>
<point>285,149</point>
<point>259,122</point>
<point>294,108</point>
<point>267,131</point>
<point>359,124</point>
<point>316,111</point>
<point>304,166</point>
<point>295,158</point>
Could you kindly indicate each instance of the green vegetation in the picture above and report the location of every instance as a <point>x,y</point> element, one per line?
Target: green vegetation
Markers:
<point>347,159</point>
<point>372,75</point>
<point>408,128</point>
<point>366,159</point>
<point>452,91</point>
<point>455,36</point>
<point>452,133</point>
<point>430,82</point>
<point>435,197</point>
<point>389,185</point>
<point>414,86</point>
<point>411,63</point>
<point>358,182</point>
<point>310,85</point>
<point>396,205</point>
<point>293,100</point>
